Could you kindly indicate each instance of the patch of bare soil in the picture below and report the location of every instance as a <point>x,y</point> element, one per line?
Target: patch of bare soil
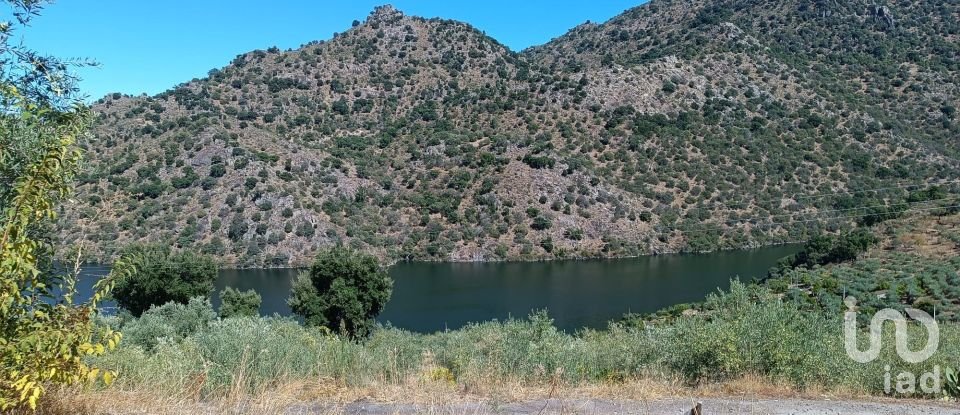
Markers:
<point>670,406</point>
<point>931,237</point>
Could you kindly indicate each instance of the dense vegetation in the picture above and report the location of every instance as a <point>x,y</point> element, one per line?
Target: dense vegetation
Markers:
<point>677,126</point>
<point>731,341</point>
<point>163,276</point>
<point>916,265</point>
<point>343,290</point>
<point>236,303</point>
<point>827,249</point>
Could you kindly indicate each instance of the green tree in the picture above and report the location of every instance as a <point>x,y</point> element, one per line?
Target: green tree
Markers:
<point>831,249</point>
<point>163,276</point>
<point>218,170</point>
<point>669,87</point>
<point>238,228</point>
<point>343,290</point>
<point>236,303</point>
<point>541,223</point>
<point>45,336</point>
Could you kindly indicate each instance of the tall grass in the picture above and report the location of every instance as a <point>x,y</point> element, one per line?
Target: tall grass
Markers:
<point>185,351</point>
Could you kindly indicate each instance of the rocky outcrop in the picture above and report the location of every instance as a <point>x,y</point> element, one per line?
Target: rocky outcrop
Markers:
<point>883,15</point>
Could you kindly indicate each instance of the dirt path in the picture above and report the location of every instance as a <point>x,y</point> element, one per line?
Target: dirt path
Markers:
<point>673,407</point>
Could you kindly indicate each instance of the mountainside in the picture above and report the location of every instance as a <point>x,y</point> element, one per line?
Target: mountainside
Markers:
<point>915,265</point>
<point>678,125</point>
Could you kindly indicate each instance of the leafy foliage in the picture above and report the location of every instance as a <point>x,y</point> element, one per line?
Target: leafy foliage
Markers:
<point>951,383</point>
<point>733,337</point>
<point>163,276</point>
<point>236,303</point>
<point>171,322</point>
<point>829,249</point>
<point>45,337</point>
<point>343,290</point>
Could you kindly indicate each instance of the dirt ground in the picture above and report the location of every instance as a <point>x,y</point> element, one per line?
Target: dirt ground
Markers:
<point>655,407</point>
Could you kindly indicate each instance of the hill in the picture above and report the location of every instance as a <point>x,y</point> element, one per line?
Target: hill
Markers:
<point>676,126</point>
<point>914,265</point>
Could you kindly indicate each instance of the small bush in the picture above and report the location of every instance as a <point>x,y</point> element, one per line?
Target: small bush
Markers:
<point>236,303</point>
<point>218,170</point>
<point>541,223</point>
<point>171,321</point>
<point>539,162</point>
<point>669,87</point>
<point>305,230</point>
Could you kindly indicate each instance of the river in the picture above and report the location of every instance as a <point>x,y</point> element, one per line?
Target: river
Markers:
<point>431,296</point>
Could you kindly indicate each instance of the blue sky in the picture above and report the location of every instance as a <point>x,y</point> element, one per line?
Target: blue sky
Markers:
<point>149,46</point>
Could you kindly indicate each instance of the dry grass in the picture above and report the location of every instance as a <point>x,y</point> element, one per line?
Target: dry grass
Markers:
<point>928,236</point>
<point>760,387</point>
<point>436,396</point>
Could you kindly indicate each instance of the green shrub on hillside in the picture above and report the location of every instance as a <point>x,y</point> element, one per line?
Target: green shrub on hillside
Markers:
<point>828,249</point>
<point>541,223</point>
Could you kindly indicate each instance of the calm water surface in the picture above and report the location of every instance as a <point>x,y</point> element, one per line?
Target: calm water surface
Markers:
<point>435,296</point>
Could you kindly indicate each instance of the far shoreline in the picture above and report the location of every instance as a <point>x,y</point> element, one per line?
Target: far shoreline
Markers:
<point>391,263</point>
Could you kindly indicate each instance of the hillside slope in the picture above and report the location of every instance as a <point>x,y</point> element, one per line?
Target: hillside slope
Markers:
<point>676,126</point>
<point>915,265</point>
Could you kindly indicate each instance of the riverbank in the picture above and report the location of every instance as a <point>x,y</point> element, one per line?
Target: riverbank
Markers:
<point>227,263</point>
<point>186,360</point>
